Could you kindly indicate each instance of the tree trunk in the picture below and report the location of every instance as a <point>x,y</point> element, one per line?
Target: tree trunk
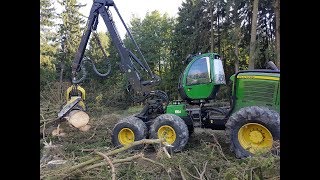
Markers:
<point>236,48</point>
<point>211,13</point>
<point>277,16</point>
<point>236,63</point>
<point>159,66</point>
<point>269,40</point>
<point>253,34</point>
<point>62,66</point>
<point>61,71</point>
<point>61,78</point>
<point>218,29</point>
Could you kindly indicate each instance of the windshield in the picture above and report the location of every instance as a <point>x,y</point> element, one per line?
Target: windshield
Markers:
<point>199,72</point>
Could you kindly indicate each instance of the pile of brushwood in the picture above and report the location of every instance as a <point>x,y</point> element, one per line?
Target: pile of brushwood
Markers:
<point>73,154</point>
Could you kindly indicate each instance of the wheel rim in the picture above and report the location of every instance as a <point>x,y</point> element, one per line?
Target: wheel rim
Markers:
<point>255,138</point>
<point>167,133</point>
<point>126,136</point>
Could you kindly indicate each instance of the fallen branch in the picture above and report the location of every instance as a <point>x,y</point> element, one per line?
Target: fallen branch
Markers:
<point>220,148</point>
<point>43,130</point>
<point>195,168</point>
<point>48,121</point>
<point>115,161</point>
<point>204,170</point>
<point>166,152</point>
<point>113,171</point>
<point>51,122</point>
<point>181,173</point>
<point>198,172</point>
<point>192,175</point>
<point>273,178</point>
<point>69,170</point>
<point>135,143</point>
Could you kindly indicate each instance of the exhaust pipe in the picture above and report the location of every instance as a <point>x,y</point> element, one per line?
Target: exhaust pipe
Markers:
<point>272,66</point>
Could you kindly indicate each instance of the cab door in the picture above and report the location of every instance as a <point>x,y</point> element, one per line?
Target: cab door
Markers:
<point>198,79</point>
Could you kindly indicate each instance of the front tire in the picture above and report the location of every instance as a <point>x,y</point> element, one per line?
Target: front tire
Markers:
<point>252,129</point>
<point>172,128</point>
<point>128,130</point>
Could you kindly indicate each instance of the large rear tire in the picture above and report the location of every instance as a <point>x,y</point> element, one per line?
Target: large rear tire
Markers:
<point>128,130</point>
<point>172,128</point>
<point>252,129</point>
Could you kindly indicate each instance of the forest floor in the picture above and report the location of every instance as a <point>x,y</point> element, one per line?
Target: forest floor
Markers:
<point>206,156</point>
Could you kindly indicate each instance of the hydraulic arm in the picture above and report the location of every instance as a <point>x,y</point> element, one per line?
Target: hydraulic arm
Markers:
<point>138,87</point>
<point>101,7</point>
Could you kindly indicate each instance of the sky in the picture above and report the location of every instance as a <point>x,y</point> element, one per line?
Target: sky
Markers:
<point>128,8</point>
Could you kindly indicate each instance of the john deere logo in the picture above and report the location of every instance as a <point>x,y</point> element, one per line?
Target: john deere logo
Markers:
<point>177,111</point>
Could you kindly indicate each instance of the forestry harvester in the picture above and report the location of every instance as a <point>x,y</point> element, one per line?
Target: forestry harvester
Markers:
<point>251,122</point>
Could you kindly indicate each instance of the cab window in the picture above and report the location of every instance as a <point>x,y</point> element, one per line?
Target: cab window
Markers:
<point>199,72</point>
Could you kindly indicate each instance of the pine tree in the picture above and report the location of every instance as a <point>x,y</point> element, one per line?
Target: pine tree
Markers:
<point>70,31</point>
<point>48,46</point>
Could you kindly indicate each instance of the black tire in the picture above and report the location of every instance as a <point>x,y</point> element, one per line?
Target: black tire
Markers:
<point>253,114</point>
<point>190,129</point>
<point>133,123</point>
<point>178,125</point>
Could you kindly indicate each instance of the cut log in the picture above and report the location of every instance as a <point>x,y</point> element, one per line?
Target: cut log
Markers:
<point>77,118</point>
<point>85,128</point>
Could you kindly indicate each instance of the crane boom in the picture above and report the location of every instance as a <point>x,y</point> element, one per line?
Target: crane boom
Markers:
<point>137,86</point>
<point>101,7</point>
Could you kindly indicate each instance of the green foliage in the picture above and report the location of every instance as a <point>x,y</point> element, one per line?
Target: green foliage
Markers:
<point>107,91</point>
<point>154,35</point>
<point>48,47</point>
<point>46,76</point>
<point>46,13</point>
<point>47,16</point>
<point>47,56</point>
<point>94,52</point>
<point>163,40</point>
<point>70,32</point>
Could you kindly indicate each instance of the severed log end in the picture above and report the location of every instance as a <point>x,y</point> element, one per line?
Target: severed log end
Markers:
<point>78,119</point>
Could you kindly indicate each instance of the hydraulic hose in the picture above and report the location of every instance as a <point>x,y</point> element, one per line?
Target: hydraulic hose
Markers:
<point>85,73</point>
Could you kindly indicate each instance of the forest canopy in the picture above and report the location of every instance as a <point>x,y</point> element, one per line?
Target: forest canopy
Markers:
<point>223,26</point>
